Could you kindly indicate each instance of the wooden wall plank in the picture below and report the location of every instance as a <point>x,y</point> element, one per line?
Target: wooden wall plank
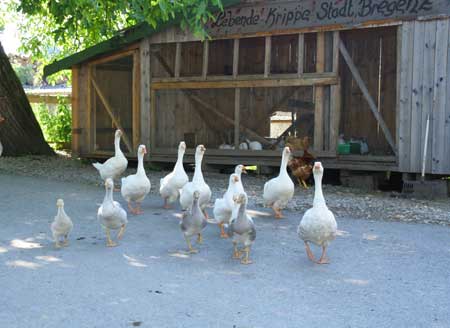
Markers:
<point>437,125</point>
<point>235,57</point>
<point>237,106</point>
<point>267,56</point>
<point>177,60</point>
<point>405,69</point>
<point>446,157</point>
<point>417,92</point>
<point>152,120</point>
<point>205,59</point>
<point>335,116</point>
<point>428,90</point>
<point>300,54</point>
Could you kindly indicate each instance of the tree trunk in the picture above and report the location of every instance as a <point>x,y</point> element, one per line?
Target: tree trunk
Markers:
<point>20,133</point>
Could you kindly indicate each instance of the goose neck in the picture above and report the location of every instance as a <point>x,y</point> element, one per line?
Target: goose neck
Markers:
<point>198,174</point>
<point>319,200</point>
<point>61,212</point>
<point>108,196</point>
<point>283,166</point>
<point>140,167</point>
<point>179,162</point>
<point>117,149</point>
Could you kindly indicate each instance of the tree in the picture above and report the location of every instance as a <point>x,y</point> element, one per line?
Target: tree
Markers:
<point>20,133</point>
<point>54,29</point>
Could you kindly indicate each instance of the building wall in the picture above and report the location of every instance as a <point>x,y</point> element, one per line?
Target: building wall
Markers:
<point>424,80</point>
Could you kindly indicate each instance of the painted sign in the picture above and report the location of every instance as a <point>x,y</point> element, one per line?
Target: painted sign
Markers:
<point>283,15</point>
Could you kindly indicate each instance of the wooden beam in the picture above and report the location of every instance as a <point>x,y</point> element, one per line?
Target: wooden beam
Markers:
<point>111,114</point>
<point>237,106</point>
<point>300,54</point>
<point>48,99</point>
<point>235,58</point>
<point>267,56</point>
<point>145,91</point>
<point>367,95</point>
<point>177,60</point>
<point>263,83</point>
<point>319,94</point>
<point>205,59</point>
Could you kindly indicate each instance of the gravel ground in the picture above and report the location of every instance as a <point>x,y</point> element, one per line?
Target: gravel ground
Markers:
<point>344,202</point>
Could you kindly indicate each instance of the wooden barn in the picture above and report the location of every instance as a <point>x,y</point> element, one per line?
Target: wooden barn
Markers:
<point>359,78</point>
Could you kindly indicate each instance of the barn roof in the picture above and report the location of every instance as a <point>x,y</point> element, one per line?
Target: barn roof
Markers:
<point>120,40</point>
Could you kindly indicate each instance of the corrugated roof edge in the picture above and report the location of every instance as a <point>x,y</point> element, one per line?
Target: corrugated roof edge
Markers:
<point>117,42</point>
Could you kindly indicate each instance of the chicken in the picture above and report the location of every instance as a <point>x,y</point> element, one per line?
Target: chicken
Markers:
<point>301,167</point>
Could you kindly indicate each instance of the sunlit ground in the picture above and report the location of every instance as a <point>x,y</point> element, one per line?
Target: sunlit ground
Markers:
<point>382,274</point>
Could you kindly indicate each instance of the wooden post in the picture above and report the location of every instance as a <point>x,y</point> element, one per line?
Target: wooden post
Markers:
<point>145,92</point>
<point>75,111</point>
<point>300,54</point>
<point>90,124</point>
<point>235,58</point>
<point>336,52</point>
<point>267,57</point>
<point>367,96</point>
<point>177,60</point>
<point>335,99</point>
<point>237,105</point>
<point>205,59</point>
<point>319,94</point>
<point>136,97</point>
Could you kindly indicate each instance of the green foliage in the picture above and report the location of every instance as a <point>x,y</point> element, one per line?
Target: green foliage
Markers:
<point>25,73</point>
<point>52,29</point>
<point>55,124</point>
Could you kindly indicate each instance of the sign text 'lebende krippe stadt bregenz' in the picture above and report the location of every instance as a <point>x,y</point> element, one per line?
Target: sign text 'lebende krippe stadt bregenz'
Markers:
<point>285,15</point>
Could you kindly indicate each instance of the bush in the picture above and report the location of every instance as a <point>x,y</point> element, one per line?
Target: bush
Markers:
<point>55,124</point>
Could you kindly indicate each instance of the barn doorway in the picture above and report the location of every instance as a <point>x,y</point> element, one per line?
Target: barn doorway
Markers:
<point>114,102</point>
<point>374,53</point>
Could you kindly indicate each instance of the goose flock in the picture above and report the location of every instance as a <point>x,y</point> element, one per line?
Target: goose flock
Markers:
<point>318,225</point>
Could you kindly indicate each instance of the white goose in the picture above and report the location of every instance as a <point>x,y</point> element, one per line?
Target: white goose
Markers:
<point>111,214</point>
<point>198,183</point>
<point>61,226</point>
<point>238,170</point>
<point>318,224</point>
<point>279,191</point>
<point>171,184</point>
<point>115,165</point>
<point>136,186</point>
<point>223,207</point>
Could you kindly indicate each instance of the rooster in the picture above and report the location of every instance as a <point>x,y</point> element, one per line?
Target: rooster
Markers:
<point>301,167</point>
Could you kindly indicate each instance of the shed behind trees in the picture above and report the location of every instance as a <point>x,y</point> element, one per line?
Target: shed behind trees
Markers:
<point>366,70</point>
